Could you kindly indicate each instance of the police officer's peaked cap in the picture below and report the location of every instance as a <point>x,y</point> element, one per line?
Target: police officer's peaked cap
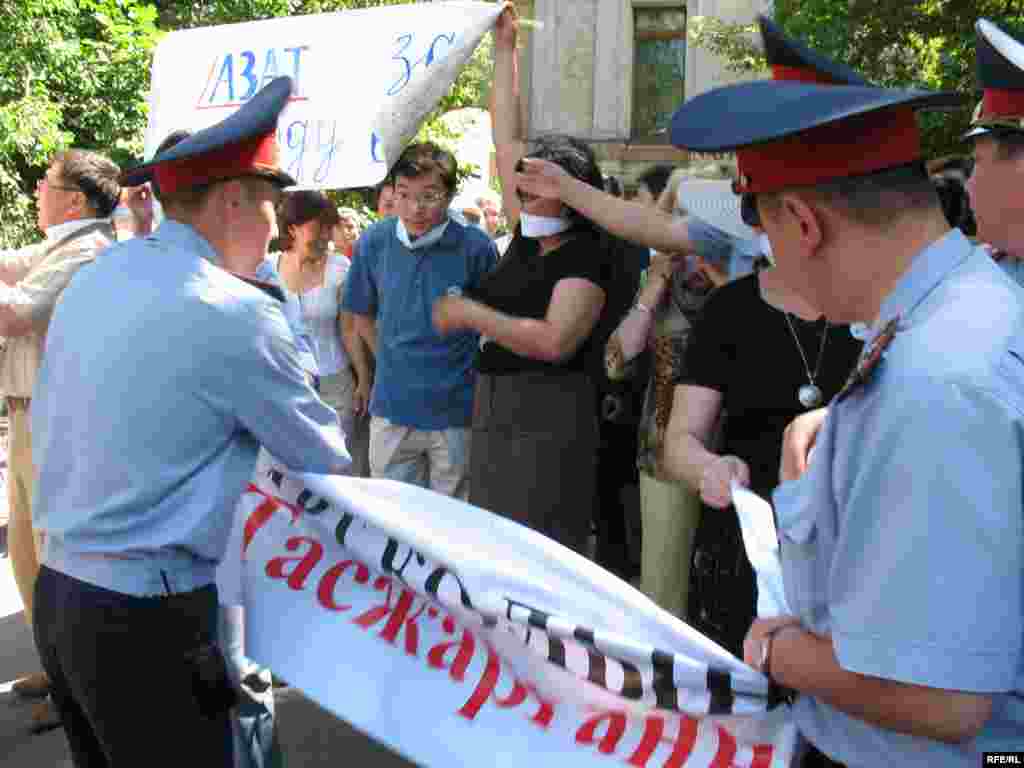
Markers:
<point>791,60</point>
<point>1001,76</point>
<point>243,144</point>
<point>803,130</point>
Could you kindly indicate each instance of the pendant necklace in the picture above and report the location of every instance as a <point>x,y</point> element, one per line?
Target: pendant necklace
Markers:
<point>809,395</point>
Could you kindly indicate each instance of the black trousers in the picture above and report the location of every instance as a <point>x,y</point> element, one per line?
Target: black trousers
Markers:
<point>120,674</point>
<point>814,758</point>
<point>616,471</point>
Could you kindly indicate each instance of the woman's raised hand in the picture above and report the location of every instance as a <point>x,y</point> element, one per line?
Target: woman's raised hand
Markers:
<point>541,178</point>
<point>506,30</point>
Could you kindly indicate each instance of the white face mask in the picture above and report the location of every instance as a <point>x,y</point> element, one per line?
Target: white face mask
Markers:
<point>423,241</point>
<point>542,226</point>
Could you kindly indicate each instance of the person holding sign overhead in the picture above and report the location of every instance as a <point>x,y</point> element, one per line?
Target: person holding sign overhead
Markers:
<point>137,492</point>
<point>535,411</point>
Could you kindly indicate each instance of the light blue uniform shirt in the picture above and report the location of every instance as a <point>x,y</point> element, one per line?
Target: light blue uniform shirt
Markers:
<point>905,538</point>
<point>424,381</point>
<point>161,376</point>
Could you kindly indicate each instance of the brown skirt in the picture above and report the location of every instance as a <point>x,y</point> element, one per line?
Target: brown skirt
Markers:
<point>533,456</point>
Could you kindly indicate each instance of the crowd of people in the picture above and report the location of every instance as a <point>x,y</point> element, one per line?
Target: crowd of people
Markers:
<point>543,356</point>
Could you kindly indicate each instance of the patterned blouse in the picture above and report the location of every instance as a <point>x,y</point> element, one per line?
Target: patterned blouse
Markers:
<point>670,329</point>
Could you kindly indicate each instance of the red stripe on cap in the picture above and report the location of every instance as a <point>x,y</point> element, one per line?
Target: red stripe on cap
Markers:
<point>1001,103</point>
<point>852,147</point>
<point>259,153</point>
<point>800,75</point>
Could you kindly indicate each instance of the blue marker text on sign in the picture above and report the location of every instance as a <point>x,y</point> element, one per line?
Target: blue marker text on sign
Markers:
<point>235,77</point>
<point>405,51</point>
<point>310,148</point>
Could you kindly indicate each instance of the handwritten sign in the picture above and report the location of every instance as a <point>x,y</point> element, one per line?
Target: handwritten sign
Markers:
<point>463,639</point>
<point>364,80</point>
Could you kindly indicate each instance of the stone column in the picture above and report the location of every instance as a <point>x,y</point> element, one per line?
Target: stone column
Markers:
<point>704,70</point>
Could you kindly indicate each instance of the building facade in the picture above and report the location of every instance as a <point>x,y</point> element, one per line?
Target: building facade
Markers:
<point>614,71</point>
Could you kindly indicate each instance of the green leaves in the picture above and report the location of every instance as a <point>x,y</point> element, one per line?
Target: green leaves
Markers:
<point>894,43</point>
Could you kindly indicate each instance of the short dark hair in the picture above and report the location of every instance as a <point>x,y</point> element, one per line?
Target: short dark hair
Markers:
<point>577,158</point>
<point>955,202</point>
<point>95,175</point>
<point>297,208</point>
<point>655,178</point>
<point>872,199</point>
<point>424,157</point>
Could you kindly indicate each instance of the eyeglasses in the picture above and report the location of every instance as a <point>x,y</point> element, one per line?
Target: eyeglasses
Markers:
<point>425,200</point>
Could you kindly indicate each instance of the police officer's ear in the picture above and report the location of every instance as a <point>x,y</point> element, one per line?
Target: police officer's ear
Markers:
<point>803,219</point>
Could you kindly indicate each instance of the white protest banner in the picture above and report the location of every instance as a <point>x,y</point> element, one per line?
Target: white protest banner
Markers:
<point>462,639</point>
<point>364,80</point>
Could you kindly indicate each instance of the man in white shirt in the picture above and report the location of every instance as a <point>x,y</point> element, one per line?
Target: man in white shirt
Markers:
<point>75,198</point>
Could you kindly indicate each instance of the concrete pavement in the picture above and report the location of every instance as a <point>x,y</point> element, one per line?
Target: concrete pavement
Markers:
<point>310,736</point>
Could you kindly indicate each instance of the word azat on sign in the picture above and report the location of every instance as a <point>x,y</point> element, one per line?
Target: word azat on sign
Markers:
<point>234,78</point>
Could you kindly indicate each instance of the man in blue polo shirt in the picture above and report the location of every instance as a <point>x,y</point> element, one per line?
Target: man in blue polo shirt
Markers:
<point>422,401</point>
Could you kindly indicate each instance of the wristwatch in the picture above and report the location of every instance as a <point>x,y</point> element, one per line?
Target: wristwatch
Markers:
<point>776,693</point>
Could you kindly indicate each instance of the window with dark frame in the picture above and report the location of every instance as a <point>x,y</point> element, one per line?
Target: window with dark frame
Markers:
<point>659,70</point>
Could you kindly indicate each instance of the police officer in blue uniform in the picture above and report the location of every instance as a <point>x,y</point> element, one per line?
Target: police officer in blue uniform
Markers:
<point>903,543</point>
<point>998,135</point>
<point>166,369</point>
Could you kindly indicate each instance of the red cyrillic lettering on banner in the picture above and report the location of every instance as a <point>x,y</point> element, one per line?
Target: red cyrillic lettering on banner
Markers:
<point>466,646</point>
<point>546,712</point>
<point>685,741</point>
<point>653,728</point>
<point>484,689</point>
<point>517,696</point>
<point>257,519</point>
<point>587,732</point>
<point>305,563</point>
<point>263,513</point>
<point>726,749</point>
<point>325,591</point>
<point>762,756</point>
<point>398,616</point>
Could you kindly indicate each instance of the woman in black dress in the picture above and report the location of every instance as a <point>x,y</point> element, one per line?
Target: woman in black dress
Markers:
<point>762,367</point>
<point>534,442</point>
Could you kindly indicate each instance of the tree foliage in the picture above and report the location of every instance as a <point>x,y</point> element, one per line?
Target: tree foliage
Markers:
<point>895,43</point>
<point>76,73</point>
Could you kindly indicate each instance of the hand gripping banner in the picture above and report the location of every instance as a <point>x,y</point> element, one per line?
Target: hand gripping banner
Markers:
<point>459,638</point>
<point>364,81</point>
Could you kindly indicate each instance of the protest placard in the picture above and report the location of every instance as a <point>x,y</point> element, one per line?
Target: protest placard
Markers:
<point>364,80</point>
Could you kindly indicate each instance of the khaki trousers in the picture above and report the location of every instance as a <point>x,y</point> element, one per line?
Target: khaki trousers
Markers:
<point>23,544</point>
<point>435,459</point>
<point>669,515</point>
